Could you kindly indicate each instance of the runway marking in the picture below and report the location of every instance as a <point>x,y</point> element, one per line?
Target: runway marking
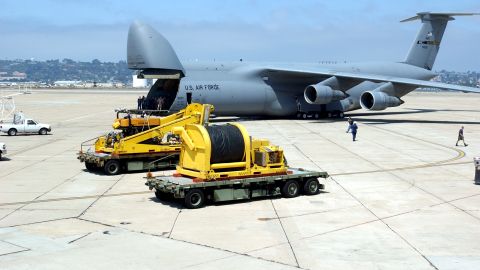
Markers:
<point>413,167</point>
<point>377,218</point>
<point>84,116</point>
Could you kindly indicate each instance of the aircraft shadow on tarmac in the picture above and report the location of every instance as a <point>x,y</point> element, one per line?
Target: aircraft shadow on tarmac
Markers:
<point>371,118</point>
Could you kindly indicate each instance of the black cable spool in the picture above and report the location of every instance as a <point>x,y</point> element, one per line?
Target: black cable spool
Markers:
<point>227,143</point>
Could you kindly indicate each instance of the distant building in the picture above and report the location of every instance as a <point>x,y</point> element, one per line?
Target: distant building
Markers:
<point>138,83</point>
<point>66,83</point>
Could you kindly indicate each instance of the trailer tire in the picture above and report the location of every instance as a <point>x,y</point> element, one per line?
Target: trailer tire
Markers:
<point>43,131</point>
<point>195,198</point>
<point>291,189</point>
<point>12,132</point>
<point>112,167</point>
<point>311,186</point>
<point>90,166</point>
<point>162,196</point>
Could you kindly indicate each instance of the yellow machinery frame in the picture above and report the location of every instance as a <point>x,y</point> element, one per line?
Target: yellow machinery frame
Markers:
<point>193,114</point>
<point>196,151</point>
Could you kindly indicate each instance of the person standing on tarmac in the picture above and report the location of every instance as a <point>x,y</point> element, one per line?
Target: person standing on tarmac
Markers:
<point>353,128</point>
<point>461,137</point>
<point>139,103</point>
<point>350,121</point>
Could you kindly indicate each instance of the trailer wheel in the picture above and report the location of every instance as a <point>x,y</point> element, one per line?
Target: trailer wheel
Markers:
<point>90,166</point>
<point>194,199</point>
<point>291,189</point>
<point>162,196</point>
<point>112,167</point>
<point>12,132</point>
<point>311,186</point>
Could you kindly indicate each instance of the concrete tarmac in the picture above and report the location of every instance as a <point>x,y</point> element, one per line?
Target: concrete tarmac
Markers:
<point>401,197</point>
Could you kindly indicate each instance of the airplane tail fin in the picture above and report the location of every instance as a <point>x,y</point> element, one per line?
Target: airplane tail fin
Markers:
<point>150,52</point>
<point>427,43</point>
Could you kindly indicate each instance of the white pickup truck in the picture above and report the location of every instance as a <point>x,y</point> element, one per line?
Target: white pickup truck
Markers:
<point>3,150</point>
<point>25,126</point>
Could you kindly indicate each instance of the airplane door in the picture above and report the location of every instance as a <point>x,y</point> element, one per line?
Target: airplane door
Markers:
<point>189,97</point>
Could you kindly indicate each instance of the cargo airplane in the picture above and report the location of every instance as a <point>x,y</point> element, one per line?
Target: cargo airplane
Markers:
<point>305,90</point>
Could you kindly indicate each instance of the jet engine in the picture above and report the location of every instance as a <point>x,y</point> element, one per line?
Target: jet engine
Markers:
<point>377,101</point>
<point>322,94</point>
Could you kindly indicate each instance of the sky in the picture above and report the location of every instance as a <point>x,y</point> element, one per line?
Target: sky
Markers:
<point>254,30</point>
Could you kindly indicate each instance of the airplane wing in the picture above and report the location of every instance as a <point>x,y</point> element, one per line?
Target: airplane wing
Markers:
<point>359,77</point>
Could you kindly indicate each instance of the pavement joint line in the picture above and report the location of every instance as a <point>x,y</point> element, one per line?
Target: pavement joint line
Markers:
<point>37,222</point>
<point>97,222</point>
<point>388,226</point>
<point>421,166</point>
<point>14,252</point>
<point>234,253</point>
<point>99,197</point>
<point>82,117</point>
<point>35,146</point>
<point>13,244</point>
<point>174,222</point>
<point>460,155</point>
<point>36,162</point>
<point>306,214</point>
<point>39,196</point>
<point>368,209</point>
<point>79,238</point>
<point>286,235</point>
<point>77,198</point>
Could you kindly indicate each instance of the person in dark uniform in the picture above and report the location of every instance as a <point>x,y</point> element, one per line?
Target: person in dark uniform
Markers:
<point>139,103</point>
<point>353,128</point>
<point>143,103</point>
<point>461,137</point>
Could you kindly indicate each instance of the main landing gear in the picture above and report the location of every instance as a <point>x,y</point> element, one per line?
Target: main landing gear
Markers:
<point>318,115</point>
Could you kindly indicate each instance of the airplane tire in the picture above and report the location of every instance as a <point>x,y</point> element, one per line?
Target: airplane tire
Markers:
<point>311,186</point>
<point>112,167</point>
<point>12,132</point>
<point>291,189</point>
<point>194,199</point>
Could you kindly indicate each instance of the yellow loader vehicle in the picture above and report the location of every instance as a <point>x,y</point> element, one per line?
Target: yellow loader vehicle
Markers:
<point>136,142</point>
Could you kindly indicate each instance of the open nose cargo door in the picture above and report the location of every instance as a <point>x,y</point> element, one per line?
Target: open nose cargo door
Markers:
<point>152,54</point>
